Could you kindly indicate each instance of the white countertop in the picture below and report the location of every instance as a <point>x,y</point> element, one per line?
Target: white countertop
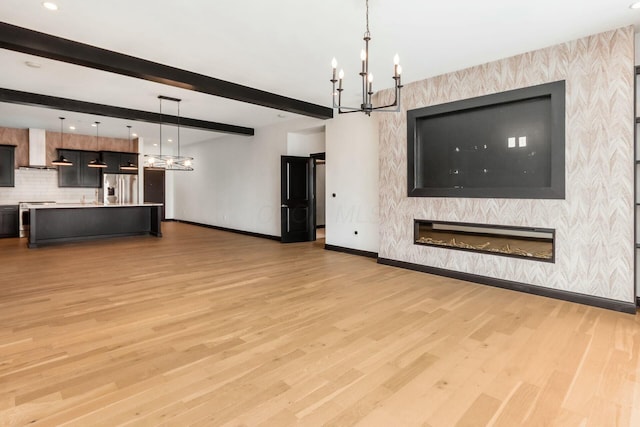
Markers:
<point>90,205</point>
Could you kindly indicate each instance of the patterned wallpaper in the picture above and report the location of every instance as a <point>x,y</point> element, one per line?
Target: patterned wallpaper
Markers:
<point>594,224</point>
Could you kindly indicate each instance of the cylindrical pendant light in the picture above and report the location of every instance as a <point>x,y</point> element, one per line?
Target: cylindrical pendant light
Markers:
<point>97,163</point>
<point>129,165</point>
<point>62,160</point>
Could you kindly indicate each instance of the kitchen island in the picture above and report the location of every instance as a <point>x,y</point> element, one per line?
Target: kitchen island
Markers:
<point>70,222</point>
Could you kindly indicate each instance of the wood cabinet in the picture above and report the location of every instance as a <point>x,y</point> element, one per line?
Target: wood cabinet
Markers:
<point>79,175</point>
<point>7,165</point>
<point>9,221</point>
<point>114,159</point>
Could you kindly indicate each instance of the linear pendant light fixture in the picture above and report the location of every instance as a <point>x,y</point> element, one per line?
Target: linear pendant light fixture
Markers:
<point>97,163</point>
<point>62,160</point>
<point>169,161</point>
<point>129,165</point>
<point>367,82</point>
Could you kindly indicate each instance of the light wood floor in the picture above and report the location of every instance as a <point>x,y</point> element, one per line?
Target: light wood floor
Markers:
<point>204,328</point>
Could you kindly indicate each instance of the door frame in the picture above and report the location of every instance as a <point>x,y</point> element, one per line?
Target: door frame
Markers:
<point>164,190</point>
<point>310,234</point>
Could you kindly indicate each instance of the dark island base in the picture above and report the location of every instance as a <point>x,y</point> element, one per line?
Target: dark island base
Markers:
<point>60,225</point>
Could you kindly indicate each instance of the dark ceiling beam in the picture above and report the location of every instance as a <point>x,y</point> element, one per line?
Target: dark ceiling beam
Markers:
<point>40,44</point>
<point>37,100</point>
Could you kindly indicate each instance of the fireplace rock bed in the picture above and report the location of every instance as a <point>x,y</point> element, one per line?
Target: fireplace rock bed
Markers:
<point>526,242</point>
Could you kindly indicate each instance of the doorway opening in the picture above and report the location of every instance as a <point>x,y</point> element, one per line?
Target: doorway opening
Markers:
<point>310,144</point>
<point>319,185</point>
<point>154,187</point>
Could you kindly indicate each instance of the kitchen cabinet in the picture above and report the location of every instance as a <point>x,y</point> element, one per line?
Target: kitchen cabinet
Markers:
<point>7,165</point>
<point>9,221</point>
<point>114,159</point>
<point>79,175</point>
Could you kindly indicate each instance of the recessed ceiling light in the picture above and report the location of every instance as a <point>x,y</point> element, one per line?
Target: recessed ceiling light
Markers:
<point>93,124</point>
<point>635,5</point>
<point>170,140</point>
<point>49,5</point>
<point>134,134</point>
<point>33,64</point>
<point>72,127</point>
<point>155,145</point>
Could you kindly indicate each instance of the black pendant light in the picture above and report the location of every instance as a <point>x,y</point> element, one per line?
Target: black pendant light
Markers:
<point>129,165</point>
<point>62,160</point>
<point>97,163</point>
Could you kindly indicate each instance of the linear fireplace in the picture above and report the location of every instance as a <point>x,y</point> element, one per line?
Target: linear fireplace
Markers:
<point>522,242</point>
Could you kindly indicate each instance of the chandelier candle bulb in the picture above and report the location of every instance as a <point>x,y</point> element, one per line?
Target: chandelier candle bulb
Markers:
<point>334,65</point>
<point>396,63</point>
<point>340,76</point>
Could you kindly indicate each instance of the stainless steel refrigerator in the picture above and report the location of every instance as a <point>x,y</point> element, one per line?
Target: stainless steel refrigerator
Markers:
<point>119,188</point>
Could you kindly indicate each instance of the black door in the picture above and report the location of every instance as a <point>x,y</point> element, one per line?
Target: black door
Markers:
<point>154,187</point>
<point>298,202</point>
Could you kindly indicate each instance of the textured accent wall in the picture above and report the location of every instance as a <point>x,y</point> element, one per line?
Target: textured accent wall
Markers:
<point>594,224</point>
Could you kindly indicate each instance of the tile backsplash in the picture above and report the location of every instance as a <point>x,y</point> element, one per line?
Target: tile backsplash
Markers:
<point>42,185</point>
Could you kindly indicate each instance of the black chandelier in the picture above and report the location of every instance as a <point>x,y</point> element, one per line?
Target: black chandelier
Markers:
<point>367,82</point>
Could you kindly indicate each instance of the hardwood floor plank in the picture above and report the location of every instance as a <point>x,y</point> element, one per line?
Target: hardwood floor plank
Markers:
<point>204,327</point>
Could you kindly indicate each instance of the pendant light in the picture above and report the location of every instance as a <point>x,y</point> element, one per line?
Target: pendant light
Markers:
<point>169,161</point>
<point>97,163</point>
<point>61,160</point>
<point>366,76</point>
<point>129,165</point>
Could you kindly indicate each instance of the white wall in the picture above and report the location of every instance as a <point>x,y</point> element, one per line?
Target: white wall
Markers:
<point>169,193</point>
<point>236,180</point>
<point>305,144</point>
<point>352,174</point>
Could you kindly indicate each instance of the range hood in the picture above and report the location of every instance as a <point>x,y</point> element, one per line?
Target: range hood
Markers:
<point>37,150</point>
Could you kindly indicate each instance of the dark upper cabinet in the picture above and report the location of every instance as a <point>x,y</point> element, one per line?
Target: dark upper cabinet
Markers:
<point>9,221</point>
<point>80,174</point>
<point>112,159</point>
<point>115,159</point>
<point>7,165</point>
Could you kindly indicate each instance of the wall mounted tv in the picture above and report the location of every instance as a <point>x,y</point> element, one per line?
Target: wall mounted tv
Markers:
<point>504,145</point>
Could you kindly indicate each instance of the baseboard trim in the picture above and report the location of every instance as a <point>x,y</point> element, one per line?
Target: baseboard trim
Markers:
<point>230,230</point>
<point>351,251</point>
<point>621,306</point>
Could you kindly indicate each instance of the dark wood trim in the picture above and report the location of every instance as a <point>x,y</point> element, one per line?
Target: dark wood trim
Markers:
<point>638,301</point>
<point>320,226</point>
<point>66,104</point>
<point>625,307</point>
<point>230,230</point>
<point>48,46</point>
<point>351,251</point>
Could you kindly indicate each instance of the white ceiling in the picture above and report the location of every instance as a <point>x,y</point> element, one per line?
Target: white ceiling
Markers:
<point>280,46</point>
